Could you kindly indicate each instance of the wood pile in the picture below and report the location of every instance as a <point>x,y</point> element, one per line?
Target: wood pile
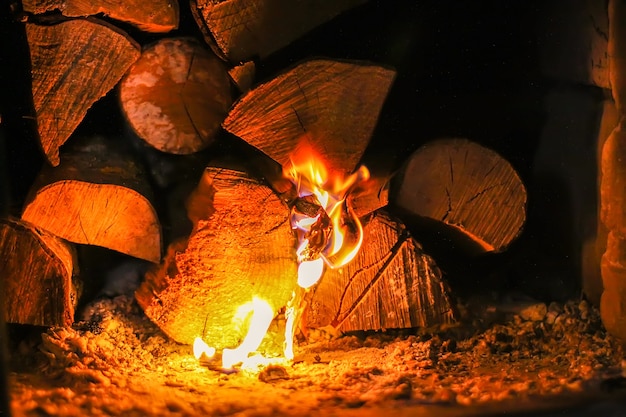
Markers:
<point>182,97</point>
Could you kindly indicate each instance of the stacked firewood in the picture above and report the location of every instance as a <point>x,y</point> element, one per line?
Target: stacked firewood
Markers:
<point>184,96</point>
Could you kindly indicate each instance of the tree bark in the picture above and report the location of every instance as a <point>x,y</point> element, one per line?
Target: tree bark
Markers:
<point>97,196</point>
<point>176,95</point>
<point>245,29</point>
<point>152,16</point>
<point>74,63</point>
<point>242,247</point>
<point>391,284</point>
<point>455,183</point>
<point>38,275</point>
<point>335,105</point>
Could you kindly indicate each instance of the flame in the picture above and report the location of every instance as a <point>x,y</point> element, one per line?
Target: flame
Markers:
<point>309,272</point>
<point>201,348</point>
<point>308,172</point>
<point>262,315</point>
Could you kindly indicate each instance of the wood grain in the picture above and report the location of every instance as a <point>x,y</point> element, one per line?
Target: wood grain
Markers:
<point>37,270</point>
<point>74,63</point>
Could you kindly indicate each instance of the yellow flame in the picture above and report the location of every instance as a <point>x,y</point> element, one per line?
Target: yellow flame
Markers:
<point>201,348</point>
<point>308,172</point>
<point>290,315</point>
<point>262,315</point>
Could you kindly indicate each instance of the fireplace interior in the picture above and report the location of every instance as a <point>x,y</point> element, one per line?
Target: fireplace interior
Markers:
<point>490,279</point>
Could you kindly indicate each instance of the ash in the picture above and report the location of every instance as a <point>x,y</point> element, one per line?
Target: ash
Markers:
<point>512,357</point>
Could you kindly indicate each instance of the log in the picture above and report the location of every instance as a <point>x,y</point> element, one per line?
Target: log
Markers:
<point>391,284</point>
<point>176,95</point>
<point>616,51</point>
<point>241,247</point>
<point>74,63</point>
<point>464,190</point>
<point>38,274</point>
<point>97,196</point>
<point>243,75</point>
<point>334,104</point>
<point>157,16</point>
<point>245,29</point>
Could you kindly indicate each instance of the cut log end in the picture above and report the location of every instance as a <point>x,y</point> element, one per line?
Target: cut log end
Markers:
<point>462,185</point>
<point>334,104</point>
<point>97,196</point>
<point>38,275</point>
<point>74,63</point>
<point>244,29</point>
<point>240,249</point>
<point>391,284</point>
<point>157,16</point>
<point>176,96</point>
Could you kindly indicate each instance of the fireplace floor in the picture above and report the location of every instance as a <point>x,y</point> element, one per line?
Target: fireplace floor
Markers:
<point>117,363</point>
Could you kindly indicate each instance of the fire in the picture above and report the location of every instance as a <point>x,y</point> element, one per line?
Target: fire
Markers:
<point>334,236</point>
<point>260,315</point>
<point>329,234</point>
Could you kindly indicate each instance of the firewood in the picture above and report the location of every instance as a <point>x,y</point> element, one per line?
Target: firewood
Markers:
<point>38,275</point>
<point>154,16</point>
<point>242,246</point>
<point>243,76</point>
<point>97,196</point>
<point>244,29</point>
<point>617,53</point>
<point>613,215</point>
<point>74,63</point>
<point>391,284</point>
<point>176,95</point>
<point>455,183</point>
<point>370,196</point>
<point>334,105</point>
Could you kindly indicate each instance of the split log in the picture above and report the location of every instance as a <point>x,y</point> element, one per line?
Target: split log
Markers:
<point>38,274</point>
<point>617,53</point>
<point>454,185</point>
<point>370,196</point>
<point>391,284</point>
<point>176,95</point>
<point>245,29</point>
<point>74,63</point>
<point>158,16</point>
<point>242,247</point>
<point>97,196</point>
<point>334,104</point>
<point>243,75</point>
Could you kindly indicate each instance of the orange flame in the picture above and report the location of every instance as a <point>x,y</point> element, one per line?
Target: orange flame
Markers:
<point>308,172</point>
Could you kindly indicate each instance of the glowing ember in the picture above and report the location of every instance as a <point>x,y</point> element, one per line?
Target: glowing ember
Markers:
<point>335,239</point>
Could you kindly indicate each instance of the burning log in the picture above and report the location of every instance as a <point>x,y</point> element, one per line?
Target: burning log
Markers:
<point>334,104</point>
<point>97,196</point>
<point>391,284</point>
<point>240,252</point>
<point>244,29</point>
<point>74,63</point>
<point>37,273</point>
<point>176,95</point>
<point>455,183</point>
<point>153,16</point>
